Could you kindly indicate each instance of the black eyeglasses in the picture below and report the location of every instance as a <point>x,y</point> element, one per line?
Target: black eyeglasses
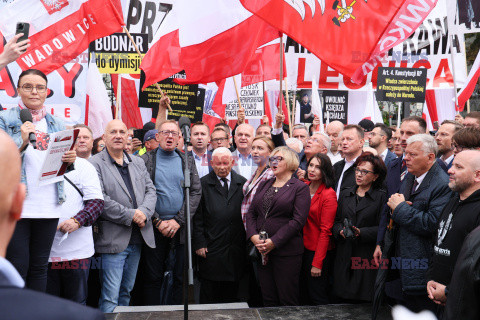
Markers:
<point>29,88</point>
<point>275,159</point>
<point>219,139</point>
<point>166,133</point>
<point>362,173</point>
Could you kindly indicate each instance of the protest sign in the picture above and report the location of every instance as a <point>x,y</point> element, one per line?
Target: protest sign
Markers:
<point>183,98</point>
<point>335,103</point>
<point>251,99</point>
<point>401,84</point>
<point>116,53</point>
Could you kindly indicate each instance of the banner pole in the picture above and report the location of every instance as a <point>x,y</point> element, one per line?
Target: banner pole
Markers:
<point>280,94</point>
<point>399,104</point>
<point>236,91</point>
<point>288,109</point>
<point>141,58</point>
<point>119,97</point>
<point>294,106</point>
<point>453,72</point>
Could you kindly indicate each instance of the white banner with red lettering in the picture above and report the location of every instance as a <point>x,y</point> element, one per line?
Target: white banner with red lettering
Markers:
<point>67,87</point>
<point>428,47</point>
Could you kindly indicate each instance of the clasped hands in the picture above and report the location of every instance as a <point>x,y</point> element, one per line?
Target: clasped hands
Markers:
<point>263,246</point>
<point>395,200</point>
<point>168,228</point>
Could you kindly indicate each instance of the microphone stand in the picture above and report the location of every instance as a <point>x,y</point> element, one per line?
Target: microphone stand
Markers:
<point>187,271</point>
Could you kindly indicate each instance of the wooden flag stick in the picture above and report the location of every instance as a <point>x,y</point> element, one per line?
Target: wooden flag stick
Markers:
<point>294,106</point>
<point>236,91</point>
<point>141,58</point>
<point>288,109</point>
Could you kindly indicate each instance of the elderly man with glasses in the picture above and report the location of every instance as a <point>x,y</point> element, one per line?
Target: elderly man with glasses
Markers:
<point>165,166</point>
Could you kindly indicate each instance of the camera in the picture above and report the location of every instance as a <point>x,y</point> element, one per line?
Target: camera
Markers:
<point>348,231</point>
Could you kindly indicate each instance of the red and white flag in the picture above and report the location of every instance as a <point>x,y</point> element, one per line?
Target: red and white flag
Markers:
<point>59,29</point>
<point>98,106</point>
<point>349,36</point>
<point>470,84</point>
<point>212,39</point>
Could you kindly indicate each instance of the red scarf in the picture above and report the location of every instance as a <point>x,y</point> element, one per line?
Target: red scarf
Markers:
<point>37,115</point>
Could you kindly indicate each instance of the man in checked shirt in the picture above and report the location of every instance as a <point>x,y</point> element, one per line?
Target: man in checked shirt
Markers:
<point>72,248</point>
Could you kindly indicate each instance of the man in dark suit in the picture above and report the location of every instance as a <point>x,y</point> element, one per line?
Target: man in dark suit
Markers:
<point>16,302</point>
<point>352,145</point>
<point>218,231</point>
<point>379,138</point>
<point>444,140</point>
<point>396,171</point>
<point>415,210</point>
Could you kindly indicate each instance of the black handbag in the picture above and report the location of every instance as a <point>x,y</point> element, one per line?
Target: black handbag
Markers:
<point>252,252</point>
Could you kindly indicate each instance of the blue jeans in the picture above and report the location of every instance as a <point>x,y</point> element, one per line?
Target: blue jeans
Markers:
<point>118,277</point>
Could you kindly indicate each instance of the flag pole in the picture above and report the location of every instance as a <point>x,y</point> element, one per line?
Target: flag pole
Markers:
<point>280,94</point>
<point>119,97</point>
<point>288,109</point>
<point>236,92</point>
<point>294,105</point>
<point>453,72</point>
<point>141,58</point>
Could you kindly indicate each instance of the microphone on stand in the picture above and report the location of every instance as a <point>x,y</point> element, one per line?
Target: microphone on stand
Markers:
<point>184,124</point>
<point>25,116</point>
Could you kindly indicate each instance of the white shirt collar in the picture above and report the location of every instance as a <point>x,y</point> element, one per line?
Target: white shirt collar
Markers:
<point>229,178</point>
<point>420,179</point>
<point>384,154</point>
<point>197,156</point>
<point>10,273</point>
<point>448,160</point>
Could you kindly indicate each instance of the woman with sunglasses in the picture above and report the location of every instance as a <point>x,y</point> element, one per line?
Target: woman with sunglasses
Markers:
<point>355,230</point>
<point>317,257</point>
<point>32,240</point>
<point>275,221</point>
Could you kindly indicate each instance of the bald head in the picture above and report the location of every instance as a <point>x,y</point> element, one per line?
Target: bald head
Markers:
<point>465,173</point>
<point>244,135</point>
<point>115,136</point>
<point>12,193</point>
<point>334,132</point>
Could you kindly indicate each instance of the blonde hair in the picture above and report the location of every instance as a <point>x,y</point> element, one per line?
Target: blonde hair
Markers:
<point>290,157</point>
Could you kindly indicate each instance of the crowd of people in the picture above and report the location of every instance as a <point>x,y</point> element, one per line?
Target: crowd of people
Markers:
<point>276,220</point>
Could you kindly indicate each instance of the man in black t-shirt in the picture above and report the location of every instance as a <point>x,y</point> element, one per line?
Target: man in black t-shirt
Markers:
<point>459,217</point>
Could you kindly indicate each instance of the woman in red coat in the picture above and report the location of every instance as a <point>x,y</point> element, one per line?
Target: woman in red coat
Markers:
<point>318,230</point>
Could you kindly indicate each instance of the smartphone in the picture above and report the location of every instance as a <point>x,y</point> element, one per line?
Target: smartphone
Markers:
<point>22,27</point>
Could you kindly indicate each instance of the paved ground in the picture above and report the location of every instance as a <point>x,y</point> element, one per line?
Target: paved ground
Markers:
<point>334,312</point>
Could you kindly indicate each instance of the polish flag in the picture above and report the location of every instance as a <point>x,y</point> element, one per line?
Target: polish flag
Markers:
<point>98,106</point>
<point>440,104</point>
<point>317,104</point>
<point>471,82</point>
<point>212,39</point>
<point>372,111</point>
<point>128,90</point>
<point>59,29</point>
<point>350,36</point>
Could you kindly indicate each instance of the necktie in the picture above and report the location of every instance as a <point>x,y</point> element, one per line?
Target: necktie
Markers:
<point>403,170</point>
<point>415,185</point>
<point>225,185</point>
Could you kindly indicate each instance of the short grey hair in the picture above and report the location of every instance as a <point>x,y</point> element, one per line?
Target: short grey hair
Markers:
<point>429,145</point>
<point>325,139</point>
<point>295,143</point>
<point>221,150</point>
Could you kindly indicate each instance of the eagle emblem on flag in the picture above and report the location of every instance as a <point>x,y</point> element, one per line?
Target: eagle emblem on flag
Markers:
<point>53,6</point>
<point>344,11</point>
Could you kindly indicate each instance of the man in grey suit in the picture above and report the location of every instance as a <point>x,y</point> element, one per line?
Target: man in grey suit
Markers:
<point>244,164</point>
<point>125,223</point>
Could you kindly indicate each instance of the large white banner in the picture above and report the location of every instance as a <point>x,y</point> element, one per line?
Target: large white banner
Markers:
<point>428,47</point>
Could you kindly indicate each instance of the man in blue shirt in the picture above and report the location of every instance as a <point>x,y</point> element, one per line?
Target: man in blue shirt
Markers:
<point>165,166</point>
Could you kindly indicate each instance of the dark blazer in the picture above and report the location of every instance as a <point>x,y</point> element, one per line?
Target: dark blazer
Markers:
<point>394,171</point>
<point>417,224</point>
<point>19,303</point>
<point>348,177</point>
<point>218,226</point>
<point>443,166</point>
<point>286,218</point>
<point>150,159</point>
<point>389,158</point>
<point>351,283</point>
